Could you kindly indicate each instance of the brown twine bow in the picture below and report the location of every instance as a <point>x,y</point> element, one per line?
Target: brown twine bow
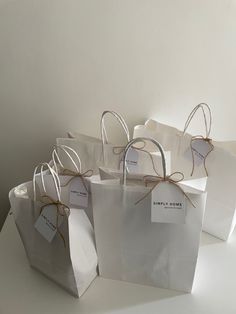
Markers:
<point>209,141</point>
<point>61,211</point>
<point>73,174</point>
<point>117,150</point>
<point>158,179</point>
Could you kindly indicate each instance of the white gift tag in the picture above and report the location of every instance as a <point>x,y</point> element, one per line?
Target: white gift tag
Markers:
<point>131,161</point>
<point>200,150</point>
<point>168,204</point>
<point>46,224</point>
<point>78,193</point>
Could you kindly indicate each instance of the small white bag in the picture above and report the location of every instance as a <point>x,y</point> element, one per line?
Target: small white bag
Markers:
<point>70,259</point>
<point>179,143</point>
<point>133,248</point>
<point>218,168</point>
<point>75,185</point>
<point>95,152</point>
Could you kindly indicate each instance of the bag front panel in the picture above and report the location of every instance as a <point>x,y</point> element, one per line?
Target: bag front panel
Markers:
<point>132,248</point>
<point>221,166</point>
<point>55,260</point>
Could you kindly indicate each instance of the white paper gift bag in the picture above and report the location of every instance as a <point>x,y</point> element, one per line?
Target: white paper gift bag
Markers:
<point>96,152</point>
<point>133,248</point>
<point>74,184</point>
<point>188,153</point>
<point>59,241</point>
<point>217,166</point>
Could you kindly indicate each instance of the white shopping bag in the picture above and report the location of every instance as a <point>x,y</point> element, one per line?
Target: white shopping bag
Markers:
<point>96,152</point>
<point>75,184</point>
<point>59,241</point>
<point>219,169</point>
<point>188,153</point>
<point>133,248</point>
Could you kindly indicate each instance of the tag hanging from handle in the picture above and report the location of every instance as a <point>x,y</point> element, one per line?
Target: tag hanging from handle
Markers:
<point>53,211</point>
<point>167,195</point>
<point>200,146</point>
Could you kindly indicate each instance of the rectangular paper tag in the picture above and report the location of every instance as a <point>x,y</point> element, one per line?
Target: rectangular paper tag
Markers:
<point>46,222</point>
<point>78,193</point>
<point>168,204</point>
<point>200,149</point>
<point>132,161</point>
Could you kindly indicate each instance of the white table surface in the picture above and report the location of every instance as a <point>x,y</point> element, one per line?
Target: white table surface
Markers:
<point>25,291</point>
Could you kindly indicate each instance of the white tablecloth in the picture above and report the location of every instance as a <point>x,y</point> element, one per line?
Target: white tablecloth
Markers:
<point>25,291</point>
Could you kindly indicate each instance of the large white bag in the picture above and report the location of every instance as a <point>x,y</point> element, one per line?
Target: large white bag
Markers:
<point>132,248</point>
<point>220,166</point>
<point>70,258</point>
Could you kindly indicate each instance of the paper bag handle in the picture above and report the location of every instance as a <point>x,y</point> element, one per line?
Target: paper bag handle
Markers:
<point>203,106</point>
<point>119,118</point>
<point>142,139</point>
<point>55,177</point>
<point>68,151</point>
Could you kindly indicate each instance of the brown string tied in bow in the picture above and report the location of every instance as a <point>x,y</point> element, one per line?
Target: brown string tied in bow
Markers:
<point>73,174</point>
<point>61,211</point>
<point>209,141</point>
<point>158,179</point>
<point>118,150</point>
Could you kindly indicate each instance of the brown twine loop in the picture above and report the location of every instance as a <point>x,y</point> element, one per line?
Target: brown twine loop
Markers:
<point>158,179</point>
<point>60,207</point>
<point>73,174</point>
<point>118,150</point>
<point>209,141</point>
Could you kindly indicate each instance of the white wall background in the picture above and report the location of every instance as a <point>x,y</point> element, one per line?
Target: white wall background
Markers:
<point>62,62</point>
